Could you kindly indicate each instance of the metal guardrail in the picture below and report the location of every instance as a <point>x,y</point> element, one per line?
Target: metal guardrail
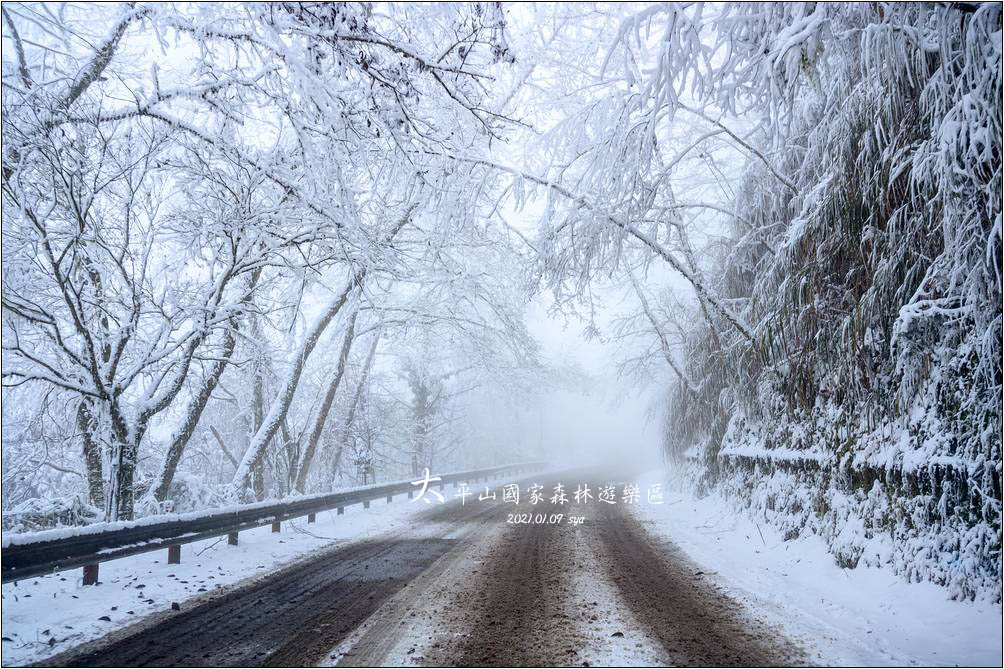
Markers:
<point>30,558</point>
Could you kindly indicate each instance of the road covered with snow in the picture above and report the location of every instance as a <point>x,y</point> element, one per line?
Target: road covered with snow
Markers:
<point>675,580</point>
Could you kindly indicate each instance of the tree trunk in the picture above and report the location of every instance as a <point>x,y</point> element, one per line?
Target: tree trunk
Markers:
<point>280,407</point>
<point>343,433</point>
<point>92,455</point>
<point>258,471</point>
<point>120,501</point>
<point>322,412</point>
<point>254,456</point>
<point>291,447</point>
<point>192,416</point>
<point>223,445</point>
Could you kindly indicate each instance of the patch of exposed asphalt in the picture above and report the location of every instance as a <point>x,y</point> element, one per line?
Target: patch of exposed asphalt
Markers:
<point>513,611</point>
<point>695,623</point>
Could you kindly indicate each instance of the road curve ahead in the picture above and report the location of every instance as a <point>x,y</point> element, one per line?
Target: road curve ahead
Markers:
<point>464,587</point>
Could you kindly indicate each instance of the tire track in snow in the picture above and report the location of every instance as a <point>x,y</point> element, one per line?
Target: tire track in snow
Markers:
<point>694,622</point>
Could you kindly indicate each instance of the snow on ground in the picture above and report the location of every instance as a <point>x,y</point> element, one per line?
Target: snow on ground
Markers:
<point>46,615</point>
<point>591,616</point>
<point>862,616</point>
<point>607,627</point>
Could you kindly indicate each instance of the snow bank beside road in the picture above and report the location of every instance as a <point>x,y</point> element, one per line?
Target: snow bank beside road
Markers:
<point>49,614</point>
<point>862,616</point>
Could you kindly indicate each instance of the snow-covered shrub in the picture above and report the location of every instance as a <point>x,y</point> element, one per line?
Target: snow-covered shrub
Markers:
<point>42,514</point>
<point>187,492</point>
<point>867,405</point>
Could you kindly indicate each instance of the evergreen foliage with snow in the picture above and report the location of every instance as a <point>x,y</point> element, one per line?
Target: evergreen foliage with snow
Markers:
<point>866,403</point>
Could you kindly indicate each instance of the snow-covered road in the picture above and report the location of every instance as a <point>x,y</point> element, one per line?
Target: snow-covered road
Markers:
<point>407,584</point>
<point>598,592</point>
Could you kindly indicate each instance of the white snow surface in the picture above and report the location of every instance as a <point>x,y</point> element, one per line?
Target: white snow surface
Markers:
<point>860,617</point>
<point>49,614</point>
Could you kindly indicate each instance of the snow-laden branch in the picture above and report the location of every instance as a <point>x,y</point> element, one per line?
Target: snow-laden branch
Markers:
<point>280,406</point>
<point>647,240</point>
<point>667,351</point>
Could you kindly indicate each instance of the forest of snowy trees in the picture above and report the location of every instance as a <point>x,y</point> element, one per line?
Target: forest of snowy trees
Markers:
<point>215,219</point>
<point>263,249</point>
<point>861,396</point>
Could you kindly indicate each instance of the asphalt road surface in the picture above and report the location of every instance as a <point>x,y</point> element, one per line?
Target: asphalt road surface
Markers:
<point>463,586</point>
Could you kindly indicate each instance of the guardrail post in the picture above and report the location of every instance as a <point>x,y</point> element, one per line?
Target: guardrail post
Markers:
<point>311,517</point>
<point>276,526</point>
<point>341,511</point>
<point>90,574</point>
<point>232,538</point>
<point>366,504</point>
<point>174,554</point>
